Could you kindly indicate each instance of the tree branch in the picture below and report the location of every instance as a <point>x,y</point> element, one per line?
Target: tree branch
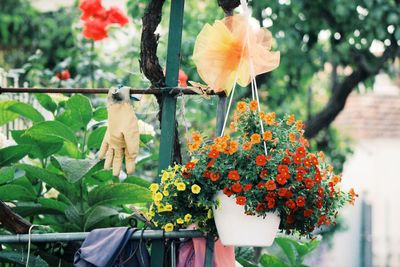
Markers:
<point>12,221</point>
<point>339,96</point>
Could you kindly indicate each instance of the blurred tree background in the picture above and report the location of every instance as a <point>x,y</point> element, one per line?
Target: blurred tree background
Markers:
<point>328,49</point>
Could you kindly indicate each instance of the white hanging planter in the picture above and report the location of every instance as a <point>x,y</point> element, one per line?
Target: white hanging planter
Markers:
<point>235,228</point>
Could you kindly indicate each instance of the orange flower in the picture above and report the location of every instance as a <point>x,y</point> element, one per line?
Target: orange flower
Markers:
<point>233,147</point>
<point>247,146</point>
<point>190,165</point>
<point>290,120</point>
<point>292,137</point>
<point>253,105</point>
<point>255,138</point>
<point>232,126</point>
<point>233,175</point>
<point>262,115</point>
<point>261,160</point>
<point>270,118</point>
<point>321,155</point>
<point>270,185</point>
<point>213,154</point>
<point>193,146</point>
<point>336,179</point>
<point>299,125</point>
<point>353,196</point>
<point>241,106</point>
<point>241,200</point>
<point>267,135</point>
<point>196,137</point>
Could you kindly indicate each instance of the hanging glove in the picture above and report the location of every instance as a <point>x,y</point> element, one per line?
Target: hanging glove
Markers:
<point>122,135</point>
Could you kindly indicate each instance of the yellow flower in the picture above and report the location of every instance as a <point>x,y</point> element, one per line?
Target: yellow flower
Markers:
<point>176,167</point>
<point>209,214</point>
<point>168,227</point>
<point>255,138</point>
<point>154,187</point>
<point>180,186</point>
<point>160,208</point>
<point>196,189</point>
<point>164,176</point>
<point>165,192</point>
<point>179,221</point>
<point>168,207</point>
<point>187,217</point>
<point>158,196</point>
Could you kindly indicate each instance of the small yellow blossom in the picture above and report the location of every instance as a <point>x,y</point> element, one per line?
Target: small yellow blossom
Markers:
<point>168,207</point>
<point>180,221</point>
<point>196,189</point>
<point>164,176</point>
<point>154,187</point>
<point>181,186</point>
<point>158,196</point>
<point>187,217</point>
<point>209,214</point>
<point>168,227</point>
<point>165,192</point>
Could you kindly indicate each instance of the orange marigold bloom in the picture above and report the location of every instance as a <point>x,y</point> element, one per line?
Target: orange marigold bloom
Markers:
<point>267,135</point>
<point>241,106</point>
<point>270,118</point>
<point>336,179</point>
<point>262,115</point>
<point>290,120</point>
<point>233,147</point>
<point>299,125</point>
<point>232,126</point>
<point>292,137</point>
<point>193,146</point>
<point>270,185</point>
<point>261,160</point>
<point>196,137</point>
<point>247,146</point>
<point>233,175</point>
<point>253,105</point>
<point>255,138</point>
<point>241,200</point>
<point>353,196</point>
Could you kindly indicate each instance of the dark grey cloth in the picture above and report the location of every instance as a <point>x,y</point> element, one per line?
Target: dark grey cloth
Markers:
<point>112,247</point>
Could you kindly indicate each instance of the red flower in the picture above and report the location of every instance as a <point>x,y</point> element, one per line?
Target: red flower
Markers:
<point>247,187</point>
<point>286,160</point>
<point>271,202</point>
<point>290,204</point>
<point>240,200</point>
<point>214,176</point>
<point>213,154</point>
<point>207,174</point>
<point>297,159</point>
<point>282,191</point>
<point>301,152</point>
<point>190,165</point>
<point>182,79</point>
<point>307,163</point>
<point>314,160</point>
<point>320,191</point>
<point>185,174</point>
<point>322,220</point>
<point>227,191</point>
<point>270,185</point>
<point>280,179</point>
<point>63,75</point>
<point>260,185</point>
<point>309,183</point>
<point>289,194</point>
<point>115,15</point>
<point>283,169</point>
<point>233,175</point>
<point>210,164</point>
<point>307,213</point>
<point>319,204</point>
<point>95,29</point>
<point>290,219</point>
<point>300,201</point>
<point>237,188</point>
<point>317,177</point>
<point>299,176</point>
<point>261,160</point>
<point>260,207</point>
<point>91,8</point>
<point>301,169</point>
<point>264,174</point>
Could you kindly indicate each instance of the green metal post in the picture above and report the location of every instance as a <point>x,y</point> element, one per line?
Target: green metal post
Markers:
<point>169,107</point>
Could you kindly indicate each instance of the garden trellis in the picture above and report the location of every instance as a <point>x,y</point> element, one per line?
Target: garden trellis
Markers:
<point>169,94</point>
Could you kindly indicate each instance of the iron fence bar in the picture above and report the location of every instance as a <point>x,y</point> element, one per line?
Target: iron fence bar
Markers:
<point>65,237</point>
<point>89,91</point>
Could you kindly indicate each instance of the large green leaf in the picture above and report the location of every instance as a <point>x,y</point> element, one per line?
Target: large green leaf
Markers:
<point>39,148</point>
<point>6,174</point>
<point>26,111</point>
<point>117,194</point>
<point>138,181</point>
<point>271,261</point>
<point>47,102</point>
<point>5,114</point>
<point>51,131</point>
<point>20,258</point>
<point>58,182</point>
<point>96,138</point>
<point>288,248</point>
<point>100,114</point>
<point>97,214</point>
<point>53,204</point>
<point>25,182</point>
<point>13,154</point>
<point>80,109</point>
<point>245,263</point>
<point>75,169</point>
<point>10,192</point>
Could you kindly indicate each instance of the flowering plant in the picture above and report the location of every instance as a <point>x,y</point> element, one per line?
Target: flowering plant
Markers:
<point>268,172</point>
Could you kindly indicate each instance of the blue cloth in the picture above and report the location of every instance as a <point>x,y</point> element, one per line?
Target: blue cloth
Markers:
<point>112,247</point>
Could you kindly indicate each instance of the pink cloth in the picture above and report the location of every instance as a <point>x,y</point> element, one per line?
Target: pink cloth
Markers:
<point>192,254</point>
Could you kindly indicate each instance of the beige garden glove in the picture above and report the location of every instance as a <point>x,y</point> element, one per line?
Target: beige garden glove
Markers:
<point>122,136</point>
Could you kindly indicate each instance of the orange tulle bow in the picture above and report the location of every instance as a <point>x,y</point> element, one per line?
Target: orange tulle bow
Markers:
<point>220,53</point>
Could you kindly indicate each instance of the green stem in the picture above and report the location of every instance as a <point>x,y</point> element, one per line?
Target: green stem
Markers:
<point>92,63</point>
<point>83,150</point>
